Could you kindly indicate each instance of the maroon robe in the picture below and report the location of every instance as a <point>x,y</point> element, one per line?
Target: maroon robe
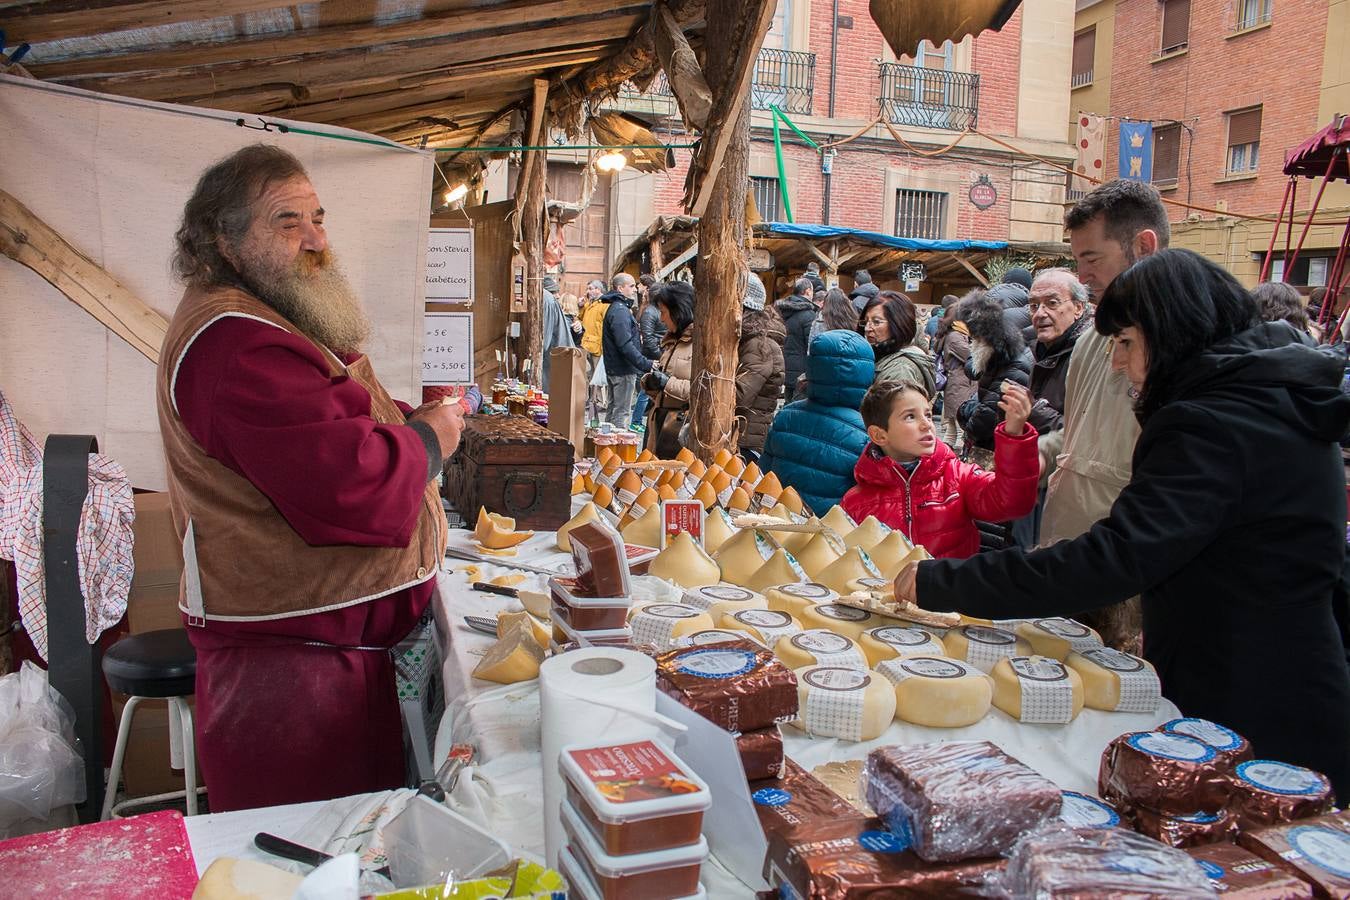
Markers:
<point>283,714</point>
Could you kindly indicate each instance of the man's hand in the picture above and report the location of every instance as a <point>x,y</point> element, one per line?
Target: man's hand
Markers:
<point>445,418</point>
<point>906,584</point>
<point>1016,406</point>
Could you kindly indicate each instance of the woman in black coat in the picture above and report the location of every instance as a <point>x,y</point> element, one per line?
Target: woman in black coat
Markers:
<point>997,354</point>
<point>1232,527</point>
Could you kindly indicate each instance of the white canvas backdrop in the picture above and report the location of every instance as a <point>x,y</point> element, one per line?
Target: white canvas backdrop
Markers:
<point>111,177</point>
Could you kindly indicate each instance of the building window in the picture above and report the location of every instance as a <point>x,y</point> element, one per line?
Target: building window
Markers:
<point>1310,271</point>
<point>1244,141</point>
<point>920,214</point>
<point>1084,51</point>
<point>780,29</point>
<point>1166,154</point>
<point>767,200</point>
<point>1176,25</point>
<point>1251,13</point>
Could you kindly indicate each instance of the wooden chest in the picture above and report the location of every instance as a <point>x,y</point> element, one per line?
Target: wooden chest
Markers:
<point>514,468</point>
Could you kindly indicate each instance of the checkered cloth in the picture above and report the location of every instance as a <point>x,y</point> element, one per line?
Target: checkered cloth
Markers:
<point>103,545</point>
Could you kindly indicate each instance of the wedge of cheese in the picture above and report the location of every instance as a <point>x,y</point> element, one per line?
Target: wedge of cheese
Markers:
<point>515,657</point>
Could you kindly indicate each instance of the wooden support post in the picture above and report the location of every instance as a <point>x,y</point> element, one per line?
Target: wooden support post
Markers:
<point>733,31</point>
<point>682,69</point>
<point>533,223</point>
<point>655,255</point>
<point>984,282</point>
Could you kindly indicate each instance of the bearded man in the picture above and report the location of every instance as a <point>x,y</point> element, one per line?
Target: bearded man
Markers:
<point>311,526</point>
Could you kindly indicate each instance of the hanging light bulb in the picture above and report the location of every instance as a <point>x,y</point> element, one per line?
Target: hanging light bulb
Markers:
<point>456,193</point>
<point>611,161</point>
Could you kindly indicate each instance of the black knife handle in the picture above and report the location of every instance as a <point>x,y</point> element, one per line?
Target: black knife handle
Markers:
<point>278,846</point>
<point>495,589</point>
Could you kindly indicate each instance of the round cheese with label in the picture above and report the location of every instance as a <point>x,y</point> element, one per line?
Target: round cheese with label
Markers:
<point>937,691</point>
<point>890,641</point>
<point>819,647</point>
<point>1037,689</point>
<point>1057,638</point>
<point>840,619</point>
<point>1116,681</point>
<point>983,645</point>
<point>781,568</point>
<point>765,625</point>
<point>1082,811</point>
<point>662,624</point>
<point>793,599</point>
<point>717,599</point>
<point>715,636</point>
<point>842,702</point>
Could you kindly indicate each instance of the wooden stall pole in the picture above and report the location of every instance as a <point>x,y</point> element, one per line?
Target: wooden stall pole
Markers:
<point>734,33</point>
<point>533,227</point>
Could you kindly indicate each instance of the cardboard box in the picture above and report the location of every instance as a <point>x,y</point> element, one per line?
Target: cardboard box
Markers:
<point>158,556</point>
<point>567,389</point>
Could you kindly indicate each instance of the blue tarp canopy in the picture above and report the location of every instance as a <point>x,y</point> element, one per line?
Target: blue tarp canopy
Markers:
<point>914,245</point>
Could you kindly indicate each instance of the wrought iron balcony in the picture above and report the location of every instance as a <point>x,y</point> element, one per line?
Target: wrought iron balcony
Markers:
<point>929,98</point>
<point>657,101</point>
<point>785,79</point>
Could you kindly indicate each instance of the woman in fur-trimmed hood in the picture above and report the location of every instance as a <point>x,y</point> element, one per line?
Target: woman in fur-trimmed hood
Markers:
<point>997,354</point>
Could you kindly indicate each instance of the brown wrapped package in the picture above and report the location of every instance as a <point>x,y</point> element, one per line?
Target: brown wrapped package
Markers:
<point>797,800</point>
<point>1238,875</point>
<point>1316,850</point>
<point>1171,774</point>
<point>861,859</point>
<point>736,685</point>
<point>1231,748</point>
<point>1194,830</point>
<point>1266,792</point>
<point>761,753</point>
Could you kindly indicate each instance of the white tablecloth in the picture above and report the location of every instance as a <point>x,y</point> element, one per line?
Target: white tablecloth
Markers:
<point>503,723</point>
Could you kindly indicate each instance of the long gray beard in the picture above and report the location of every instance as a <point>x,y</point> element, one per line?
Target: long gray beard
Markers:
<point>322,305</point>
<point>980,354</point>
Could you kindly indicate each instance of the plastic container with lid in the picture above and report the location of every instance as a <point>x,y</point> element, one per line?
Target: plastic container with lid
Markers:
<point>564,633</point>
<point>581,887</point>
<point>582,613</point>
<point>658,875</point>
<point>636,797</point>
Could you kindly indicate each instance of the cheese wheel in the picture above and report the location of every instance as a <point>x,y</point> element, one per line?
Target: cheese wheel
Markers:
<point>842,702</point>
<point>588,513</point>
<point>715,636</point>
<point>1037,689</point>
<point>767,490</point>
<point>819,647</point>
<point>795,541</point>
<point>938,692</point>
<point>515,657</point>
<point>891,641</point>
<point>683,562</point>
<point>840,619</point>
<point>983,645</point>
<point>663,624</point>
<point>717,529</point>
<point>1057,638</point>
<point>765,625</point>
<point>1116,681</point>
<point>818,552</point>
<point>889,554</point>
<point>744,554</point>
<point>868,534</point>
<point>244,879</point>
<point>793,599</point>
<point>716,599</point>
<point>844,573</point>
<point>838,520</point>
<point>781,568</point>
<point>645,531</point>
<point>793,502</point>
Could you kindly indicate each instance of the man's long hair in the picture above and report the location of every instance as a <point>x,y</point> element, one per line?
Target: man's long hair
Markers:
<point>221,210</point>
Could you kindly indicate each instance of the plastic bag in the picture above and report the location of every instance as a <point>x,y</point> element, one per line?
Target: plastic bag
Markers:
<point>1059,861</point>
<point>41,769</point>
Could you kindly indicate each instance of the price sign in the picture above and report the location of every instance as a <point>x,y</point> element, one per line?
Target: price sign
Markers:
<point>449,267</point>
<point>447,348</point>
<point>681,515</point>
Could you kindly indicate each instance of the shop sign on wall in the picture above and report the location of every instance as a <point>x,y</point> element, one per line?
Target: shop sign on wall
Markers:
<point>447,348</point>
<point>449,267</point>
<point>982,193</point>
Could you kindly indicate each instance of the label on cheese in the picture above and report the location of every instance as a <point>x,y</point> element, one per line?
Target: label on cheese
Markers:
<point>1205,731</point>
<point>810,590</point>
<point>715,636</point>
<point>1140,690</point>
<point>986,645</point>
<point>900,636</point>
<point>727,592</point>
<point>842,613</point>
<point>725,494</point>
<point>874,584</point>
<point>687,488</point>
<point>1324,847</point>
<point>1081,811</point>
<point>763,547</point>
<point>871,567</point>
<point>770,624</point>
<point>928,668</point>
<point>1279,778</point>
<point>829,649</point>
<point>1047,694</point>
<point>1172,746</point>
<point>717,663</point>
<point>834,702</point>
<point>657,624</point>
<point>1079,636</point>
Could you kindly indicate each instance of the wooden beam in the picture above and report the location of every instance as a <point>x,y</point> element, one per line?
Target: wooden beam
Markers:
<point>749,21</point>
<point>984,282</point>
<point>665,271</point>
<point>25,238</point>
<point>501,21</point>
<point>533,222</point>
<point>682,68</point>
<point>458,108</point>
<point>38,22</point>
<point>390,60</point>
<point>815,252</point>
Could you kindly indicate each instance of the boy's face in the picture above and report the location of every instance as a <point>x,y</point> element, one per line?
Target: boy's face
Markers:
<point>909,433</point>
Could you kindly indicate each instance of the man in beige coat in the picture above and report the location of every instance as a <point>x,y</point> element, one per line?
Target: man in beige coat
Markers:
<point>1109,229</point>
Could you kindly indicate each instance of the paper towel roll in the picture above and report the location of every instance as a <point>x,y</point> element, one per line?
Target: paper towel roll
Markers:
<point>600,694</point>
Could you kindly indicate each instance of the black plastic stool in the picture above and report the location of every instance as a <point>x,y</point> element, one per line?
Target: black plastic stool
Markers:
<point>154,665</point>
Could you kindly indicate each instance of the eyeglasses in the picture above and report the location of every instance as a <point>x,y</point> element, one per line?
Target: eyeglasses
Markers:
<point>1049,305</point>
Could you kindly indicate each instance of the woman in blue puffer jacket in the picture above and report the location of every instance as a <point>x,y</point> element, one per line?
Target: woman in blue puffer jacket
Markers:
<point>814,443</point>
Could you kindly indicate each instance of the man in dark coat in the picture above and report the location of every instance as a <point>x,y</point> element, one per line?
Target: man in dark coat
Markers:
<point>863,289</point>
<point>624,360</point>
<point>759,368</point>
<point>798,312</point>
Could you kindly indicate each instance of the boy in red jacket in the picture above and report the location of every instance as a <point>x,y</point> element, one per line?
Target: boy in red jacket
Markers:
<point>912,481</point>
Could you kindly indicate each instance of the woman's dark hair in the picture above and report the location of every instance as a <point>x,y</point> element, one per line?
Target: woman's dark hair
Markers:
<point>678,298</point>
<point>838,312</point>
<point>899,313</point>
<point>1182,304</point>
<point>1278,301</point>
